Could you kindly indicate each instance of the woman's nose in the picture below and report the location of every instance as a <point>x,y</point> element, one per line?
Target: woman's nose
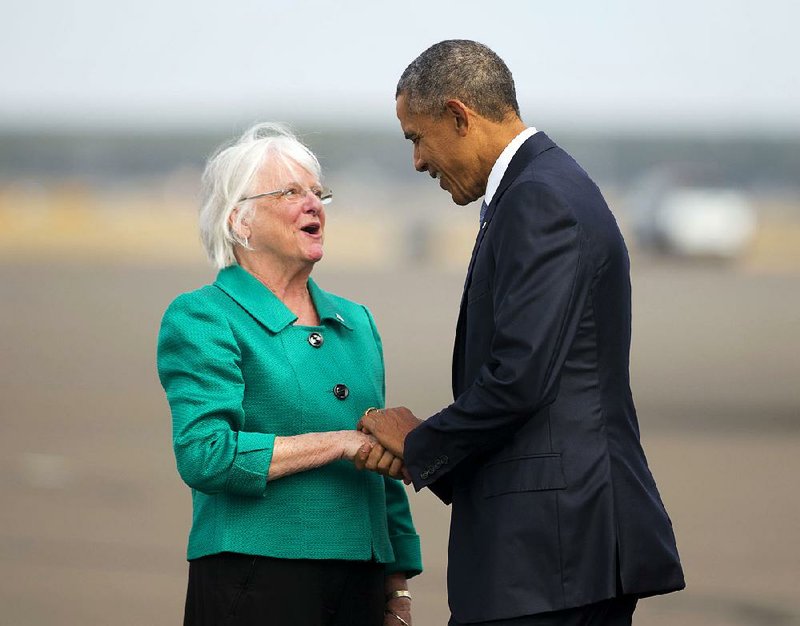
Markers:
<point>311,202</point>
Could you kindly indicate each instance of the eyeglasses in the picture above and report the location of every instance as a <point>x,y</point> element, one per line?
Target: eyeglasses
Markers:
<point>296,193</point>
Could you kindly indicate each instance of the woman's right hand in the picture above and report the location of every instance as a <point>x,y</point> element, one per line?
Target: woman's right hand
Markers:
<point>353,442</point>
<point>298,453</point>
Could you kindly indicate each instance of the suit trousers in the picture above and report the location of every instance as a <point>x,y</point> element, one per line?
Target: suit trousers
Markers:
<point>238,589</point>
<point>612,612</point>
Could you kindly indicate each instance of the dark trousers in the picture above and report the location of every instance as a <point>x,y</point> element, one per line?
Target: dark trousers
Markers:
<point>613,612</point>
<point>237,589</point>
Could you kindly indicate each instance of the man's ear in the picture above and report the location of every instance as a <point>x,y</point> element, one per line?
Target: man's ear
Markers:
<point>460,115</point>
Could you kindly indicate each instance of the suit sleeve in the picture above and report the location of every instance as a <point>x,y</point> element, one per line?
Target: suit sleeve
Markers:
<point>199,368</point>
<point>538,289</point>
<point>402,534</point>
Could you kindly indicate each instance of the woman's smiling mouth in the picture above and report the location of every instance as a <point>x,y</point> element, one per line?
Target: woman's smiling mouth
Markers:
<point>315,230</point>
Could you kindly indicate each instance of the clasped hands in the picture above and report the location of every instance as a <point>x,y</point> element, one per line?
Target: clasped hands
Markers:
<point>389,428</point>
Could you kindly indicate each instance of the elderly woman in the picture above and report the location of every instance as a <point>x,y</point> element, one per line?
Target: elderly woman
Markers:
<point>267,375</point>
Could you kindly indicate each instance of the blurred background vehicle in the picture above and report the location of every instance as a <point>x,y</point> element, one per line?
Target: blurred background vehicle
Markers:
<point>687,211</point>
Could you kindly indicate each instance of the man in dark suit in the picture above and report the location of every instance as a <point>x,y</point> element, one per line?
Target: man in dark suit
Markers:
<point>556,518</point>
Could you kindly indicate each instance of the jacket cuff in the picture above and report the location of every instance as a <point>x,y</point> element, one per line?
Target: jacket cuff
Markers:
<point>248,476</point>
<point>407,555</point>
<point>424,459</point>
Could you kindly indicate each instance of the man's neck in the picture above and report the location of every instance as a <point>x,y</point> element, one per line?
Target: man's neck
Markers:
<point>501,133</point>
<point>495,136</point>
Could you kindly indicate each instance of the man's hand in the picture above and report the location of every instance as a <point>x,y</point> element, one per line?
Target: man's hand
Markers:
<point>389,427</point>
<point>378,459</point>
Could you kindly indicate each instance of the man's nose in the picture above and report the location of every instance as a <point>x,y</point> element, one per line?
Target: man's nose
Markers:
<point>419,163</point>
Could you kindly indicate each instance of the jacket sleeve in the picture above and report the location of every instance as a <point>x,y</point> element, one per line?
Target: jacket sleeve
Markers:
<point>402,534</point>
<point>199,368</point>
<point>538,289</point>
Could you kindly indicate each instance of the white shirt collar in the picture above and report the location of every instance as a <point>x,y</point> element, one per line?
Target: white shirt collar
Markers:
<point>501,165</point>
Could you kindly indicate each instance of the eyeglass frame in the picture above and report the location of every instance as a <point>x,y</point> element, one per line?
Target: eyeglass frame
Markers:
<point>325,194</point>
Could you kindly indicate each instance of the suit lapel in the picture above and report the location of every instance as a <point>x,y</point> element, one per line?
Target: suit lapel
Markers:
<point>527,152</point>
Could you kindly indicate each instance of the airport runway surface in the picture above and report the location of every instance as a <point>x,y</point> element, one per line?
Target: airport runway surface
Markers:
<point>94,517</point>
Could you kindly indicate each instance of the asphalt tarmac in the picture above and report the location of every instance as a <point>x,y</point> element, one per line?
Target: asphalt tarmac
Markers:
<point>94,517</point>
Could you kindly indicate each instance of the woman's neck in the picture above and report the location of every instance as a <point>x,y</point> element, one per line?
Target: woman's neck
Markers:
<point>290,286</point>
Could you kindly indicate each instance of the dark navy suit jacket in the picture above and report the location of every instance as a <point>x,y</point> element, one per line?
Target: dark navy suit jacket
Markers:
<point>553,504</point>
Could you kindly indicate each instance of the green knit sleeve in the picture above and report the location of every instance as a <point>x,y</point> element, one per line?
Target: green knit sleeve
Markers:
<point>402,534</point>
<point>199,368</point>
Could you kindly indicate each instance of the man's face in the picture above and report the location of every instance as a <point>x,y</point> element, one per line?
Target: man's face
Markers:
<point>445,151</point>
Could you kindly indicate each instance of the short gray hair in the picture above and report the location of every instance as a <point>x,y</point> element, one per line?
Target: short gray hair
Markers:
<point>229,175</point>
<point>462,69</point>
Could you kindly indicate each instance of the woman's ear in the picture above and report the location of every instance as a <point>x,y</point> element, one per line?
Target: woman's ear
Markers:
<point>240,229</point>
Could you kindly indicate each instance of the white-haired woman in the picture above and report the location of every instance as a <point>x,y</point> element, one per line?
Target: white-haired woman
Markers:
<point>266,376</point>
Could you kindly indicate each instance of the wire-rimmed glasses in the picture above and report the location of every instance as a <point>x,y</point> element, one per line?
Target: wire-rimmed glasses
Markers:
<point>295,193</point>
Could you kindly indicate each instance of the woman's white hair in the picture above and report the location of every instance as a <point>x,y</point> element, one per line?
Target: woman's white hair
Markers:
<point>229,176</point>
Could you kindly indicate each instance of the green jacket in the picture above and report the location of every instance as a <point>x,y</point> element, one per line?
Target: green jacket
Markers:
<point>238,373</point>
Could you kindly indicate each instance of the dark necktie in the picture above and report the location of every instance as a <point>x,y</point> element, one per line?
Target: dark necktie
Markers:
<point>483,211</point>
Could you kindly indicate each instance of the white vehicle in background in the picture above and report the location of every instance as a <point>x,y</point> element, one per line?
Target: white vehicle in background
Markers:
<point>687,212</point>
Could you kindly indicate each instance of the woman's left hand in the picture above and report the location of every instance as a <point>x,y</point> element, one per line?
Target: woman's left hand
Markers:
<point>397,607</point>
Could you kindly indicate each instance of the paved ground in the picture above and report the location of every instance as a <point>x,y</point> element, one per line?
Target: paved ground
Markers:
<point>94,519</point>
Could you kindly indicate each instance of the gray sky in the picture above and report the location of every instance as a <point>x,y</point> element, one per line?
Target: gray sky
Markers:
<point>706,64</point>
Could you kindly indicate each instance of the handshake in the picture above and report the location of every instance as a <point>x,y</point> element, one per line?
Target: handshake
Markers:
<point>385,431</point>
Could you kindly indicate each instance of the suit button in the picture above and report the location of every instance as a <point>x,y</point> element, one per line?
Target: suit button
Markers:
<point>315,339</point>
<point>341,391</point>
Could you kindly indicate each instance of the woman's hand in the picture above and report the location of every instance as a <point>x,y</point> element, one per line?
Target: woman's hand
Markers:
<point>398,609</point>
<point>298,453</point>
<point>355,443</point>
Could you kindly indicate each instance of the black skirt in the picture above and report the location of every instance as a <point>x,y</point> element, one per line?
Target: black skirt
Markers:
<point>237,589</point>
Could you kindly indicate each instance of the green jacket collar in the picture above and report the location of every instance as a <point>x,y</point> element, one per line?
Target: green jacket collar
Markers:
<point>264,306</point>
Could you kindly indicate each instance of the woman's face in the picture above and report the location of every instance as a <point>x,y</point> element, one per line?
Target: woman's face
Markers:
<point>287,229</point>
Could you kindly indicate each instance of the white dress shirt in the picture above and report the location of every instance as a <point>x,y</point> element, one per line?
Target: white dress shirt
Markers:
<point>501,165</point>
